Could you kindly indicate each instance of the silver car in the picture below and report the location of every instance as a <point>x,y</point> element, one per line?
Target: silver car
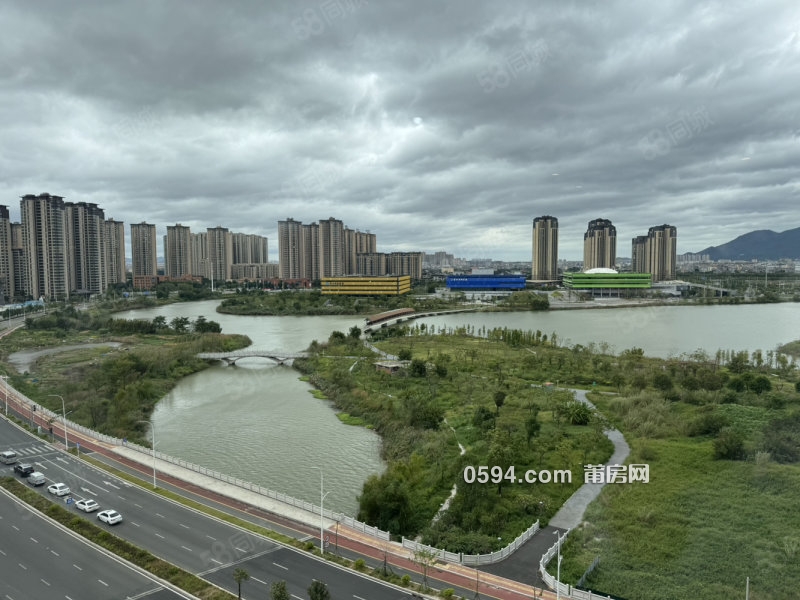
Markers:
<point>87,505</point>
<point>59,489</point>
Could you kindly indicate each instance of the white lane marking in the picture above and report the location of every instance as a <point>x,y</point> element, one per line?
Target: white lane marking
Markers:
<point>281,566</point>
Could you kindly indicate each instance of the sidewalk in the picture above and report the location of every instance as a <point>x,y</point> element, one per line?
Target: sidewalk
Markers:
<point>223,489</point>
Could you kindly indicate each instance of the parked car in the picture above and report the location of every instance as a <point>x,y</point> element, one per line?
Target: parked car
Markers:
<point>59,489</point>
<point>87,505</point>
<point>23,469</point>
<point>111,517</point>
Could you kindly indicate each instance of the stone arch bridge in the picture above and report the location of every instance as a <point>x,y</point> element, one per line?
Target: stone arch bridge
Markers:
<point>278,356</point>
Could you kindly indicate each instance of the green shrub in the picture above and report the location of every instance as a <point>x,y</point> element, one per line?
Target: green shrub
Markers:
<point>405,580</point>
<point>359,565</point>
<point>707,424</point>
<point>729,445</point>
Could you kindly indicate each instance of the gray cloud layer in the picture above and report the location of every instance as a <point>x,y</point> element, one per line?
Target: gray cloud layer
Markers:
<point>439,126</point>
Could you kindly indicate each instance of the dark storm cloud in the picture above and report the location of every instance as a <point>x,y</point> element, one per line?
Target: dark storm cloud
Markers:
<point>447,126</point>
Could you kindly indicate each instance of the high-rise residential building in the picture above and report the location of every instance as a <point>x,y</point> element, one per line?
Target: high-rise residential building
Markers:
<point>355,243</point>
<point>18,259</point>
<point>7,289</point>
<point>290,249</point>
<point>600,245</point>
<point>310,252</point>
<point>331,248</point>
<point>639,258</point>
<point>662,250</point>
<point>144,256</point>
<point>44,246</point>
<point>84,235</point>
<point>116,269</point>
<point>201,265</point>
<point>220,252</point>
<point>405,263</point>
<point>544,266</point>
<point>177,251</point>
<point>249,248</point>
<point>656,253</point>
<point>372,264</point>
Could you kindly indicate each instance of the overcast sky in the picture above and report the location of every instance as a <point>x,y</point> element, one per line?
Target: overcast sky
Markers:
<point>437,126</point>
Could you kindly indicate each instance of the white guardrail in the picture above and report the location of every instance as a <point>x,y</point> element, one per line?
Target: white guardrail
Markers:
<point>564,590</point>
<point>474,560</point>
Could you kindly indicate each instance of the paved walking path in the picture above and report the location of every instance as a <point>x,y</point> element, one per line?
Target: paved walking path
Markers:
<point>523,565</point>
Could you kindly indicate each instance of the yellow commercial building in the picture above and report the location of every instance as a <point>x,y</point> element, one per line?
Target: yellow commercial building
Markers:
<point>366,286</point>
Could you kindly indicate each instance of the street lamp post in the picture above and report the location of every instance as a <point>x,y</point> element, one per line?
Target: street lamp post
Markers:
<point>321,512</point>
<point>153,428</point>
<point>64,418</point>
<point>558,569</point>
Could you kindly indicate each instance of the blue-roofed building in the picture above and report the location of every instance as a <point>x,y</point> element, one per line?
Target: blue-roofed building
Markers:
<point>486,283</point>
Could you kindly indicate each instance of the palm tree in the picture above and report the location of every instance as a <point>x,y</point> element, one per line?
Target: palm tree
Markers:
<point>240,575</point>
<point>278,591</point>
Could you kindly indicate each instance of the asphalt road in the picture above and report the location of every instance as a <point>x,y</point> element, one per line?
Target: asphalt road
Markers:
<point>42,561</point>
<point>192,540</point>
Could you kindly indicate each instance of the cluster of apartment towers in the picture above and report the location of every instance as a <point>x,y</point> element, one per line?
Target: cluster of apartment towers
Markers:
<point>61,248</point>
<point>328,248</point>
<point>654,253</point>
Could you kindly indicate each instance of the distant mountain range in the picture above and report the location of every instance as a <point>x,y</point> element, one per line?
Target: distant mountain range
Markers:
<point>760,245</point>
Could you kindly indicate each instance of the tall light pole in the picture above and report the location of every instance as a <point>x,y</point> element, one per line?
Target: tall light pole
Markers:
<point>63,418</point>
<point>558,569</point>
<point>321,513</point>
<point>153,429</point>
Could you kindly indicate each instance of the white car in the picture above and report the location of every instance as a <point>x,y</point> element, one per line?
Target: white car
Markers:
<point>87,505</point>
<point>111,517</point>
<point>59,489</point>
